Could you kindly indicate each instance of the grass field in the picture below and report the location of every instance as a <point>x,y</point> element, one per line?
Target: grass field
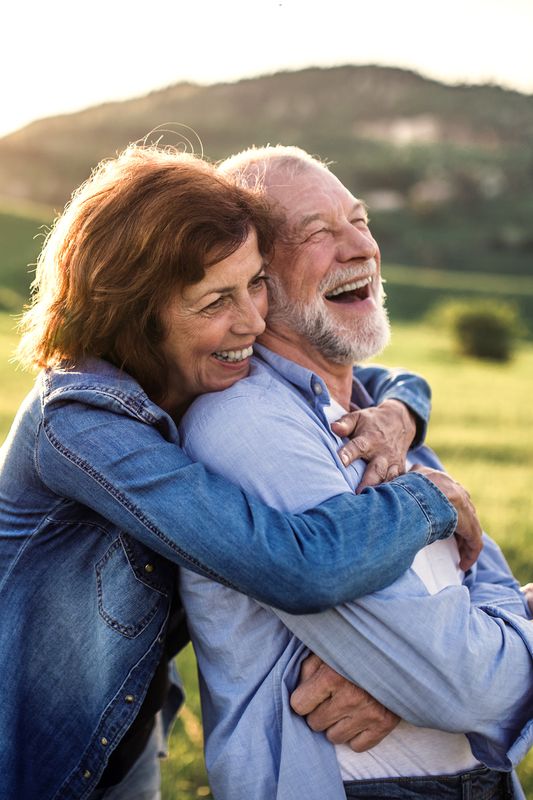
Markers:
<point>482,427</point>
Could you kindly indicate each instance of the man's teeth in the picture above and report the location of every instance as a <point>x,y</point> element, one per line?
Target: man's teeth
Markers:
<point>234,355</point>
<point>350,287</point>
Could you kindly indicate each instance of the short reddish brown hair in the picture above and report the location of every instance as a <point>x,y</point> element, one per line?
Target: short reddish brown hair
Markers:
<point>143,225</point>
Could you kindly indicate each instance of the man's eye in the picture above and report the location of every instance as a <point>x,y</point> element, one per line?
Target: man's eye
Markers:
<point>361,222</point>
<point>316,233</point>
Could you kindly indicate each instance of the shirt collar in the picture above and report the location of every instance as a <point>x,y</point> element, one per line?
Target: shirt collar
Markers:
<point>308,382</point>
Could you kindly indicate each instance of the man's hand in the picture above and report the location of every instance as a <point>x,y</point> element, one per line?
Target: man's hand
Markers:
<point>528,591</point>
<point>381,435</point>
<point>347,713</point>
<point>468,531</point>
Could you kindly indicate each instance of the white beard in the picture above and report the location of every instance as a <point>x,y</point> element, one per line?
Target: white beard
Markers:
<point>365,337</point>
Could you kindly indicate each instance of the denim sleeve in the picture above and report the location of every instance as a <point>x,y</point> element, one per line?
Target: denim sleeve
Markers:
<point>128,472</point>
<point>491,582</point>
<point>437,661</point>
<point>397,384</point>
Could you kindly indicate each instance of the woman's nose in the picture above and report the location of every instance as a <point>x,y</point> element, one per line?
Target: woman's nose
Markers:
<point>249,319</point>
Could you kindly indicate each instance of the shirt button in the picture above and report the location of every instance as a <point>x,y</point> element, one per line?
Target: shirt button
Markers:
<point>104,741</point>
<point>129,698</point>
<point>317,388</point>
<point>149,568</point>
<point>87,774</point>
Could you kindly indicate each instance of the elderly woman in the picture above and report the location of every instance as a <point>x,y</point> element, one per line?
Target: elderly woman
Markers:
<point>150,290</point>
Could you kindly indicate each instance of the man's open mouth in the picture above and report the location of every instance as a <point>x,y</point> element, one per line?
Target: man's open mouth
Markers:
<point>350,292</point>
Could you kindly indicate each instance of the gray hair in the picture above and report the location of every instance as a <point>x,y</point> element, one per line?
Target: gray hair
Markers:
<point>255,167</point>
<point>261,168</point>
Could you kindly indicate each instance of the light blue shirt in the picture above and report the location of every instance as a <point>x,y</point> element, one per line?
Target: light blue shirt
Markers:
<point>472,672</point>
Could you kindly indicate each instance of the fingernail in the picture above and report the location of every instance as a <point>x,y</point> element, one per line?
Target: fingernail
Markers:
<point>344,458</point>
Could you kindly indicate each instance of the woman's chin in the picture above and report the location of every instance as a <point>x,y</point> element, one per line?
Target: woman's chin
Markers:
<point>226,374</point>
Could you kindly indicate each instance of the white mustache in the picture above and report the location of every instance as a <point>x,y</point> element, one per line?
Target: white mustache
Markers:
<point>347,275</point>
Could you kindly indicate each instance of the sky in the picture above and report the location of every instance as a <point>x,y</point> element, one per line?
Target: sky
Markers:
<point>61,56</point>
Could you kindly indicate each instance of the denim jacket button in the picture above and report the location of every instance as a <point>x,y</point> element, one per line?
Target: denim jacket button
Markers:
<point>129,698</point>
<point>87,774</point>
<point>149,568</point>
<point>104,741</point>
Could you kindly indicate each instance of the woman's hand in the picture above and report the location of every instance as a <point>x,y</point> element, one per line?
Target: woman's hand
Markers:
<point>381,435</point>
<point>347,713</point>
<point>528,591</point>
<point>468,532</point>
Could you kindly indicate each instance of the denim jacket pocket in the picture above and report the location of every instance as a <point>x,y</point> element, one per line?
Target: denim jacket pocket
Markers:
<point>125,602</point>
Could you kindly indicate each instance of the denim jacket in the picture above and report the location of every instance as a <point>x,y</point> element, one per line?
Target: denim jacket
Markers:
<point>98,504</point>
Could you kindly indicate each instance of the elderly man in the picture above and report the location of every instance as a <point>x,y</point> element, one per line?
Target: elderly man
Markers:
<point>450,654</point>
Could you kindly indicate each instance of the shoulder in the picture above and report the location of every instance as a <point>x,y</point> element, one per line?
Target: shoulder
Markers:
<point>96,390</point>
<point>260,413</point>
<point>262,391</point>
<point>262,434</point>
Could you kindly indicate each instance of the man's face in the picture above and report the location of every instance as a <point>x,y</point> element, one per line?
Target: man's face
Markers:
<point>326,278</point>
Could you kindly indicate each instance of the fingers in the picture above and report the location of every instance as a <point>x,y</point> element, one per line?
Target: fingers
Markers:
<point>353,716</point>
<point>379,435</point>
<point>346,425</point>
<point>468,530</point>
<point>344,711</point>
<point>370,737</point>
<point>378,471</point>
<point>470,544</point>
<point>354,449</point>
<point>366,738</point>
<point>317,682</point>
<point>309,666</point>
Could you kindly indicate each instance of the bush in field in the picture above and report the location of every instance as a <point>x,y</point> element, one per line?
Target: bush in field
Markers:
<point>486,329</point>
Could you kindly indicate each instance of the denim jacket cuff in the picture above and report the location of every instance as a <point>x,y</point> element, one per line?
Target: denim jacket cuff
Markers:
<point>440,513</point>
<point>420,407</point>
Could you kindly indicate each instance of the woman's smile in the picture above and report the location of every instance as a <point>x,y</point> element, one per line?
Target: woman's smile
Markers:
<point>234,356</point>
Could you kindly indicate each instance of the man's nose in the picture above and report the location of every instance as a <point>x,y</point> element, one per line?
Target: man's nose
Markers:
<point>248,319</point>
<point>356,243</point>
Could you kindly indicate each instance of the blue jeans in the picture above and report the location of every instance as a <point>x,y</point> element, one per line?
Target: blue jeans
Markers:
<point>480,784</point>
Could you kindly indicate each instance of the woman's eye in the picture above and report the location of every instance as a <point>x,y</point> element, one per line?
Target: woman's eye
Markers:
<point>216,304</point>
<point>259,282</point>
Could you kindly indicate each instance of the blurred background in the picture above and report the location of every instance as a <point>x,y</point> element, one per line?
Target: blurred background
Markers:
<point>424,111</point>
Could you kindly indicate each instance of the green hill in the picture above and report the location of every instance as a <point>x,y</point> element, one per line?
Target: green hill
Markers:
<point>446,170</point>
<point>411,291</point>
<point>22,232</point>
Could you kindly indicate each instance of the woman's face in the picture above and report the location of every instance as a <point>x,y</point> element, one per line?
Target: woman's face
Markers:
<point>212,325</point>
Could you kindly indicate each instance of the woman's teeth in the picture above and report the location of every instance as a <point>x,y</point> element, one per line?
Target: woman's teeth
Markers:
<point>234,355</point>
<point>349,287</point>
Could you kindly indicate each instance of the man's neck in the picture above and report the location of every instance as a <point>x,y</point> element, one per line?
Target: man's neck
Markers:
<point>292,346</point>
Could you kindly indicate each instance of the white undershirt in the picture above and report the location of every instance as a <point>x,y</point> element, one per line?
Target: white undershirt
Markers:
<point>408,750</point>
